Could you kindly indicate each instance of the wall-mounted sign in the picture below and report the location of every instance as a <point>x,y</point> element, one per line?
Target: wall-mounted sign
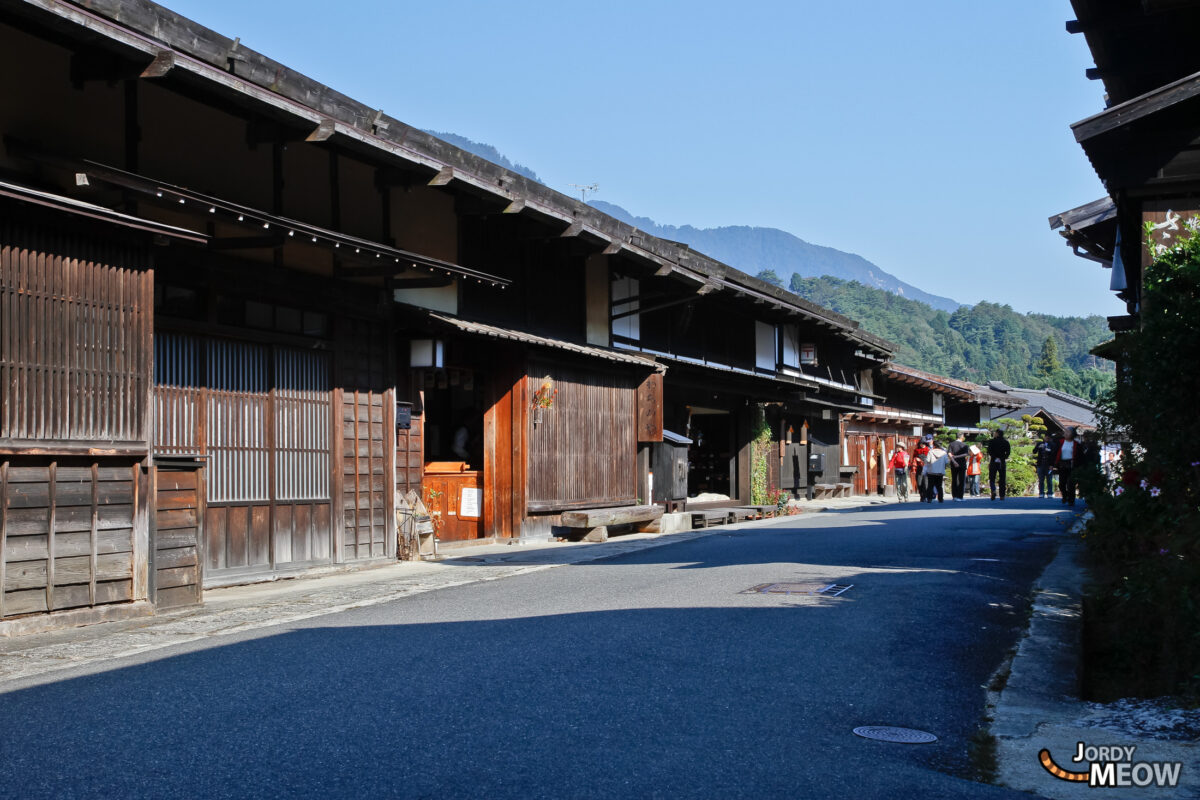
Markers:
<point>808,354</point>
<point>469,502</point>
<point>404,416</point>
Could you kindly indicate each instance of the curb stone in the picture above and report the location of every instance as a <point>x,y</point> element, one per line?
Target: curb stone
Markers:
<point>1039,707</point>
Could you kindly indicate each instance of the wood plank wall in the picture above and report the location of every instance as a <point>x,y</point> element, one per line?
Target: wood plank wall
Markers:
<point>410,457</point>
<point>178,563</point>
<point>66,532</point>
<point>366,484</point>
<point>584,450</point>
<point>76,318</point>
<point>75,340</point>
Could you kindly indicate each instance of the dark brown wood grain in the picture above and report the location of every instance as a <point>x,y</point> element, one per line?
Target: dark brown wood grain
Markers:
<point>584,449</point>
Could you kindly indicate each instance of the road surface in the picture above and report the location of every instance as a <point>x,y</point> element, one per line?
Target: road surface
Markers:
<point>654,674</point>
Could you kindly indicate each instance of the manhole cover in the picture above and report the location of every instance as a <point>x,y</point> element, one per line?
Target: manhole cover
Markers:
<point>827,589</point>
<point>885,733</point>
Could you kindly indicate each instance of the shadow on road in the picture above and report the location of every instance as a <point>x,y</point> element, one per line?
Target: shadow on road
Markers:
<point>720,695</point>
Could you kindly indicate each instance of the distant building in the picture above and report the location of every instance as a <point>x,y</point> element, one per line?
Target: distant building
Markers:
<point>1057,410</point>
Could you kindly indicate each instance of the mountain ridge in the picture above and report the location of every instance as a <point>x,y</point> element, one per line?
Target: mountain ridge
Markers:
<point>753,249</point>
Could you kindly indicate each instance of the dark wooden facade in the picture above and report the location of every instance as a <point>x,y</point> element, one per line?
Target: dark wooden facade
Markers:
<point>230,269</point>
<point>76,322</point>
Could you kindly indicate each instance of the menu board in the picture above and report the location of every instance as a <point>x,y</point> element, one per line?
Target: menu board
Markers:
<point>469,502</point>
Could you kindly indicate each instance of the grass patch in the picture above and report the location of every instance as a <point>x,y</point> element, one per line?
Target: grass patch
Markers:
<point>981,751</point>
<point>1000,679</point>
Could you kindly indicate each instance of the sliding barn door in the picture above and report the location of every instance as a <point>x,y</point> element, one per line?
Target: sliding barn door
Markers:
<point>261,415</point>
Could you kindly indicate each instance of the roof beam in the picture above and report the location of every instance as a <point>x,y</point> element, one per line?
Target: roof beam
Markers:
<point>444,176</point>
<point>323,132</point>
<point>245,242</point>
<point>163,63</point>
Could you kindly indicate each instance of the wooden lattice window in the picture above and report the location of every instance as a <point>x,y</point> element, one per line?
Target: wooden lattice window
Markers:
<point>238,383</point>
<point>301,425</point>
<point>74,339</point>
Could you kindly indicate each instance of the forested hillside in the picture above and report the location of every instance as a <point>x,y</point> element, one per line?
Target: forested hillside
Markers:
<point>977,343</point>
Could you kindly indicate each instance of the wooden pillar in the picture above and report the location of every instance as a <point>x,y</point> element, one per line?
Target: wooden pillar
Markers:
<point>743,456</point>
<point>337,447</point>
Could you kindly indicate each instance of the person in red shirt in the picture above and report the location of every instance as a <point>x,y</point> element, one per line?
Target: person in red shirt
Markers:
<point>920,453</point>
<point>974,469</point>
<point>899,466</point>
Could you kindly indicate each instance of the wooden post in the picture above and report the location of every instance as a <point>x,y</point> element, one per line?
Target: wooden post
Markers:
<point>141,530</point>
<point>53,471</point>
<point>152,538</point>
<point>390,538</point>
<point>3,530</point>
<point>95,544</point>
<point>337,514</point>
<point>520,445</point>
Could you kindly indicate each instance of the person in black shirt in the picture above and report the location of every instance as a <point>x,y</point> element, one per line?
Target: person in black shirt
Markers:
<point>1043,453</point>
<point>959,453</point>
<point>998,450</point>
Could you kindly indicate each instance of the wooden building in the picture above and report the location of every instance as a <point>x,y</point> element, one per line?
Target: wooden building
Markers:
<point>1142,144</point>
<point>241,314</point>
<point>916,403</point>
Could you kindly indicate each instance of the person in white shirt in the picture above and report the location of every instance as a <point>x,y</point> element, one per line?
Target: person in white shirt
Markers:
<point>935,472</point>
<point>1064,461</point>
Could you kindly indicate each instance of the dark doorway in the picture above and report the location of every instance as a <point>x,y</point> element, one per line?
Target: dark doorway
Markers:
<point>711,457</point>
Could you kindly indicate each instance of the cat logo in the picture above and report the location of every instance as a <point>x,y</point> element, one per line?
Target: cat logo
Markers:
<point>1113,766</point>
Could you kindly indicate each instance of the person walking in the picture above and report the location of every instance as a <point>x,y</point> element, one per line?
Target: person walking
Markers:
<point>998,450</point>
<point>898,464</point>
<point>974,460</point>
<point>959,451</point>
<point>1064,461</point>
<point>1043,454</point>
<point>935,472</point>
<point>920,454</point>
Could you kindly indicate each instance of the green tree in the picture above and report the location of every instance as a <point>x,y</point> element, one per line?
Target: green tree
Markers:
<point>1143,614</point>
<point>771,277</point>
<point>1048,364</point>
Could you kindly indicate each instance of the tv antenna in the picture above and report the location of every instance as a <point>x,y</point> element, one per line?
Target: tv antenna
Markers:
<point>584,188</point>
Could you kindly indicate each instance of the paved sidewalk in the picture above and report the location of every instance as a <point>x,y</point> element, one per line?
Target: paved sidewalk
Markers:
<point>32,658</point>
<point>1040,708</point>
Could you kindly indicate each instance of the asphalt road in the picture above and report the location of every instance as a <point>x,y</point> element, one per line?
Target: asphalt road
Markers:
<point>649,675</point>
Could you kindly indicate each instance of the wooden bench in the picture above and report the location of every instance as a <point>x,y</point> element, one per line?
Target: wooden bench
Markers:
<point>844,490</point>
<point>824,490</point>
<point>595,522</point>
<point>706,518</point>
<point>742,513</point>
<point>761,512</point>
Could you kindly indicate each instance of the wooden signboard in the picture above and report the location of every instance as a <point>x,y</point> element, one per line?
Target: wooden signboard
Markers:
<point>650,409</point>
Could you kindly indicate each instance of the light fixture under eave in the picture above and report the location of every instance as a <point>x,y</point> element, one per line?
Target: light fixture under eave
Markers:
<point>241,217</point>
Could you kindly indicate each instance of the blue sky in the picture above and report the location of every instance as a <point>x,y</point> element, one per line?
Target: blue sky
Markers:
<point>929,136</point>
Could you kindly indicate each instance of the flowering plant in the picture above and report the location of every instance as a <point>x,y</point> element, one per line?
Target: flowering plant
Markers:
<point>546,394</point>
